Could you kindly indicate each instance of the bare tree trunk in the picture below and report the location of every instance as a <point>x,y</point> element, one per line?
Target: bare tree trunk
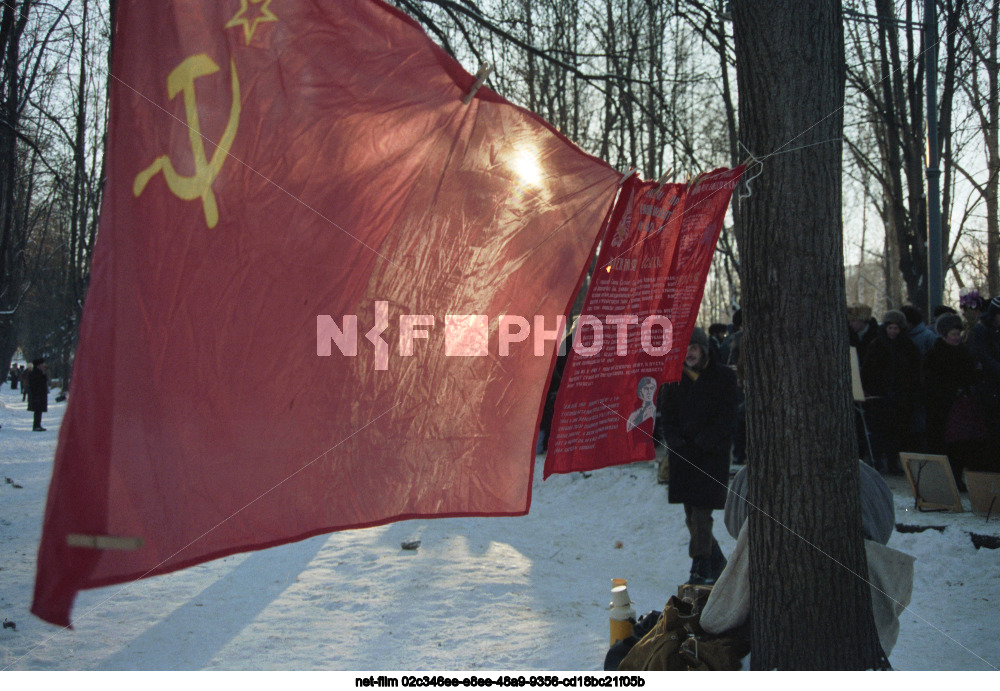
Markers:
<point>610,112</point>
<point>981,30</point>
<point>890,265</point>
<point>953,12</point>
<point>805,540</point>
<point>13,19</point>
<point>861,260</point>
<point>652,36</point>
<point>993,156</point>
<point>729,257</point>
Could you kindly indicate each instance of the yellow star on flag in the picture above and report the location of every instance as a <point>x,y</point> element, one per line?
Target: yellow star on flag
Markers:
<point>249,24</point>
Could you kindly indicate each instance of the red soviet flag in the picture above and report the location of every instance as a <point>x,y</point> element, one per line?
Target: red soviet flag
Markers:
<point>306,243</point>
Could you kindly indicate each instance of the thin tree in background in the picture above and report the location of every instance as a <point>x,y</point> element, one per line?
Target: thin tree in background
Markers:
<point>982,35</point>
<point>58,121</point>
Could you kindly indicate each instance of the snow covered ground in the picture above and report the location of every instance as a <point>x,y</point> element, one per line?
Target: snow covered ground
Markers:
<point>528,593</point>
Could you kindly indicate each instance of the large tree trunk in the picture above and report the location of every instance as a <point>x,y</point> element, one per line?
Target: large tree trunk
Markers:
<point>810,602</point>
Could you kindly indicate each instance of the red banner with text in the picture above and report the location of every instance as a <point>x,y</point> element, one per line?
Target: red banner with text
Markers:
<point>640,309</point>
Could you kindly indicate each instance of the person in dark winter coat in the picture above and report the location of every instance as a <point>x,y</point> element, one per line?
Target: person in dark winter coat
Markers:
<point>23,373</point>
<point>986,338</point>
<point>939,311</point>
<point>38,393</point>
<point>862,328</point>
<point>985,346</point>
<point>890,373</point>
<point>717,334</point>
<point>729,353</point>
<point>921,336</point>
<point>949,372</point>
<point>697,417</point>
<point>924,339</point>
<point>548,411</point>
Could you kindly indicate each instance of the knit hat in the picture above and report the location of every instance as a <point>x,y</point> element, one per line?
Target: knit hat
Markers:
<point>895,317</point>
<point>859,313</point>
<point>947,322</point>
<point>699,337</point>
<point>38,361</point>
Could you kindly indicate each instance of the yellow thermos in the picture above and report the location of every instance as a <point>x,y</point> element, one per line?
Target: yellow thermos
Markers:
<point>622,613</point>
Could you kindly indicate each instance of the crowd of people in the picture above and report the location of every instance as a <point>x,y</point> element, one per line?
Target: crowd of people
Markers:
<point>928,388</point>
<point>931,388</point>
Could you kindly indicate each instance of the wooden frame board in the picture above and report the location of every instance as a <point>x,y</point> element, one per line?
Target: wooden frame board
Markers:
<point>984,492</point>
<point>932,482</point>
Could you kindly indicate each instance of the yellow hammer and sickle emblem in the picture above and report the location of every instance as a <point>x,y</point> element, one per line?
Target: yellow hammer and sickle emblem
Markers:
<point>189,187</point>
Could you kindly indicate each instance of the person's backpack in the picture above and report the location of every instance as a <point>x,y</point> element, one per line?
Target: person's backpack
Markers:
<point>619,650</point>
<point>678,643</point>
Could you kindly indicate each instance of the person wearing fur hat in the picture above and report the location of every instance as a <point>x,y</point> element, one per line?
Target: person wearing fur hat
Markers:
<point>890,373</point>
<point>985,346</point>
<point>940,311</point>
<point>697,416</point>
<point>862,328</point>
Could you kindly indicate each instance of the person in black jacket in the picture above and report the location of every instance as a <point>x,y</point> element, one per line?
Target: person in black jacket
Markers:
<point>23,373</point>
<point>949,373</point>
<point>38,393</point>
<point>697,416</point>
<point>890,373</point>
<point>862,328</point>
<point>729,352</point>
<point>984,343</point>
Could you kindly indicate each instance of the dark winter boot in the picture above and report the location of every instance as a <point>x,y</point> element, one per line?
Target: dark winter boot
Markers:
<point>701,572</point>
<point>717,562</point>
